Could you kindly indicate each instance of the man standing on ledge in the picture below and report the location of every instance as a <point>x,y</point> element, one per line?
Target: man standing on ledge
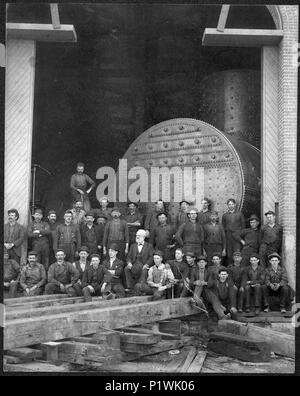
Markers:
<point>79,182</point>
<point>271,238</point>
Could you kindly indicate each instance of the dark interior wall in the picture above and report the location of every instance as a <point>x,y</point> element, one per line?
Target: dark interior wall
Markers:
<point>132,67</point>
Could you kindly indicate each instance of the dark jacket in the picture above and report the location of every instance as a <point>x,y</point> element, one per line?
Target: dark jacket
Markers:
<point>271,235</point>
<point>33,276</point>
<point>162,236</point>
<point>280,276</point>
<point>180,269</point>
<point>17,237</point>
<point>250,236</point>
<point>189,233</point>
<point>195,277</point>
<point>79,269</point>
<point>255,277</point>
<point>65,273</point>
<point>91,236</point>
<point>118,267</point>
<point>44,234</point>
<point>11,270</point>
<point>214,234</point>
<point>67,234</point>
<point>145,257</point>
<point>93,277</point>
<point>236,274</point>
<point>233,221</point>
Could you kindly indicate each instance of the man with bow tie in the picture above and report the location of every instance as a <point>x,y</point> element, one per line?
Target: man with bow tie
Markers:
<point>139,260</point>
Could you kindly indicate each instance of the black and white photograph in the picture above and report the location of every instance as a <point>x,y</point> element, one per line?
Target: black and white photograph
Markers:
<point>150,174</point>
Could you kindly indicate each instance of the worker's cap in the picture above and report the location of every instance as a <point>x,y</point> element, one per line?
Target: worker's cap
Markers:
<point>60,250</point>
<point>274,255</point>
<point>94,255</point>
<point>253,217</point>
<point>101,216</point>
<point>90,213</point>
<point>83,249</point>
<point>114,247</point>
<point>39,211</point>
<point>255,255</point>
<point>202,257</point>
<point>115,209</point>
<point>190,254</point>
<point>132,203</point>
<point>104,199</point>
<point>193,210</point>
<point>158,253</point>
<point>189,202</point>
<point>237,254</point>
<point>14,211</point>
<point>214,213</point>
<point>160,214</point>
<point>32,253</point>
<point>51,212</point>
<point>68,212</point>
<point>217,255</point>
<point>270,212</point>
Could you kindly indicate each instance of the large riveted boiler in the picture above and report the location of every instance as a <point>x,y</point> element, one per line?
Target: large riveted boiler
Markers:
<point>229,168</point>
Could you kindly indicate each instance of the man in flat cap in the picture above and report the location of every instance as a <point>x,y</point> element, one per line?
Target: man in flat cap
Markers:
<point>160,278</point>
<point>134,220</point>
<point>91,235</point>
<point>249,238</point>
<point>270,238</point>
<point>116,231</point>
<point>39,233</point>
<point>68,237</point>
<point>11,275</point>
<point>236,273</point>
<point>214,237</point>
<point>104,209</point>
<point>204,214</point>
<point>82,263</point>
<point>216,265</point>
<point>33,276</point>
<point>112,286</point>
<point>182,215</point>
<point>53,224</point>
<point>92,278</point>
<point>79,186</point>
<point>253,280</point>
<point>233,221</point>
<point>151,220</point>
<point>63,277</point>
<point>276,284</point>
<point>139,260</point>
<point>163,236</point>
<point>190,235</point>
<point>14,237</point>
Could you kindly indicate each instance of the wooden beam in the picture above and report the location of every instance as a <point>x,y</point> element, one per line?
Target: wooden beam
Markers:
<point>55,16</point>
<point>223,17</point>
<point>241,37</point>
<point>187,361</point>
<point>21,300</point>
<point>23,332</point>
<point>282,344</point>
<point>197,363</point>
<point>40,32</point>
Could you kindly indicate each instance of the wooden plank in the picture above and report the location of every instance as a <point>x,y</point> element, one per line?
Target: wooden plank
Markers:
<point>197,363</point>
<point>281,344</point>
<point>23,307</point>
<point>223,17</point>
<point>75,306</point>
<point>15,360</point>
<point>55,16</point>
<point>262,319</point>
<point>21,300</point>
<point>177,360</point>
<point>171,327</point>
<point>24,353</point>
<point>49,351</point>
<point>188,360</point>
<point>164,336</point>
<point>35,367</point>
<point>23,332</point>
<point>140,338</point>
<point>242,37</point>
<point>40,32</point>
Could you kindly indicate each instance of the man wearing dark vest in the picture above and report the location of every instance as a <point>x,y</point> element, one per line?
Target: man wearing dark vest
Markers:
<point>270,238</point>
<point>68,237</point>
<point>116,231</point>
<point>253,281</point>
<point>163,237</point>
<point>92,278</point>
<point>14,237</point>
<point>33,276</point>
<point>53,224</point>
<point>39,233</point>
<point>214,237</point>
<point>91,235</point>
<point>113,268</point>
<point>82,264</point>
<point>204,214</point>
<point>182,215</point>
<point>134,220</point>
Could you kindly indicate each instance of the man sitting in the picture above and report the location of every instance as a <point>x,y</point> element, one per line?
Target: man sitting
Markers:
<point>92,278</point>
<point>191,261</point>
<point>82,264</point>
<point>11,272</point>
<point>200,279</point>
<point>139,260</point>
<point>33,276</point>
<point>276,283</point>
<point>160,278</point>
<point>63,277</point>
<point>236,272</point>
<point>180,270</point>
<point>253,279</point>
<point>112,286</point>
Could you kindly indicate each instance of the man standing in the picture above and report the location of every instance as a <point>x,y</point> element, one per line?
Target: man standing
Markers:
<point>160,278</point>
<point>92,278</point>
<point>214,237</point>
<point>14,237</point>
<point>151,220</point>
<point>162,237</point>
<point>52,221</point>
<point>139,260</point>
<point>68,237</point>
<point>63,277</point>
<point>180,270</point>
<point>253,280</point>
<point>190,235</point>
<point>249,238</point>
<point>91,235</point>
<point>11,273</point>
<point>204,215</point>
<point>113,267</point>
<point>276,284</point>
<point>116,232</point>
<point>271,238</point>
<point>79,183</point>
<point>134,220</point>
<point>182,215</point>
<point>78,213</point>
<point>103,210</point>
<point>33,276</point>
<point>232,221</point>
<point>39,233</point>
